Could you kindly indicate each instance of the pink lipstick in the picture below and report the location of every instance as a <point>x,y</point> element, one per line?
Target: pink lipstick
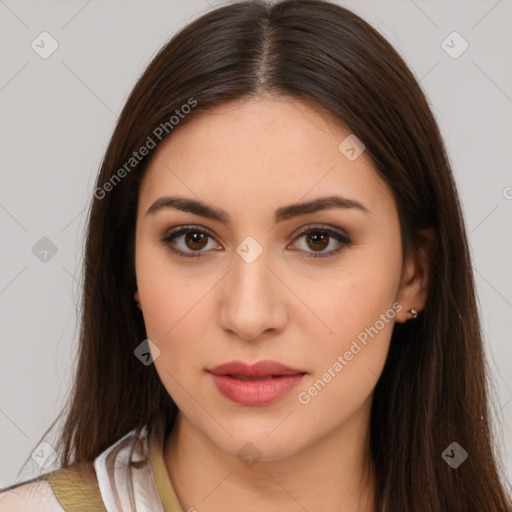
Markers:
<point>262,383</point>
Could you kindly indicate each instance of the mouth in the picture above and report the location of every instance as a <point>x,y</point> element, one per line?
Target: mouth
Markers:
<point>255,385</point>
<point>246,377</point>
<point>261,369</point>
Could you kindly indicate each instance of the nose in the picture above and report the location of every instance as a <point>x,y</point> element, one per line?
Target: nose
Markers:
<point>253,300</point>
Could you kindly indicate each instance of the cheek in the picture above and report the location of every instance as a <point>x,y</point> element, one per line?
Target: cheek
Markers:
<point>354,295</point>
<point>174,326</point>
<point>171,317</point>
<point>169,295</point>
<point>359,308</point>
<point>347,365</point>
<point>179,316</point>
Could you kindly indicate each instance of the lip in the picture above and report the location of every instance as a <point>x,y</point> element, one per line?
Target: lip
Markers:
<point>262,383</point>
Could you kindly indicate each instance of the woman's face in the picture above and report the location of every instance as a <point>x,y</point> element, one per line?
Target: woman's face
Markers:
<point>242,283</point>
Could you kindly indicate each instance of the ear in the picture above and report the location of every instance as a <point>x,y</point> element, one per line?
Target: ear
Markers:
<point>414,285</point>
<point>136,297</point>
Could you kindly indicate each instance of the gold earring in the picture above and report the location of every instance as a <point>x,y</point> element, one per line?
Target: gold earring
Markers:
<point>413,312</point>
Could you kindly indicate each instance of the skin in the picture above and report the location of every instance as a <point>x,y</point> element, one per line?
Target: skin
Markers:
<point>249,158</point>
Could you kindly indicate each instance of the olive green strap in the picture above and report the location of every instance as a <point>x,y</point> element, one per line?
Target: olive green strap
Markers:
<point>76,488</point>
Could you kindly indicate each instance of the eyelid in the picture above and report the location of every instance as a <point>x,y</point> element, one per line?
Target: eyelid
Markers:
<point>187,227</point>
<point>320,227</point>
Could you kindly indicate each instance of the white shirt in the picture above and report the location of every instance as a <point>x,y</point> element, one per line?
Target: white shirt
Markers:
<point>145,487</point>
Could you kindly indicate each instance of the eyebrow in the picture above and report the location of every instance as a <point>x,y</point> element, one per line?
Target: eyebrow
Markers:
<point>283,213</point>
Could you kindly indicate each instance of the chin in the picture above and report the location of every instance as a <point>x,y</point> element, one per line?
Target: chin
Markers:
<point>262,441</point>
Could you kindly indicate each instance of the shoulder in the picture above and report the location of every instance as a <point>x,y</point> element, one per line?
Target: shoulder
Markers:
<point>32,496</point>
<point>70,489</point>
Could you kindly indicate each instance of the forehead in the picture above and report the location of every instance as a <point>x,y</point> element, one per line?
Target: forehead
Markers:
<point>259,153</point>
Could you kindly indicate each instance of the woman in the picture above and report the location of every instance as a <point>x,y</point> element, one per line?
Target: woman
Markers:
<point>279,309</point>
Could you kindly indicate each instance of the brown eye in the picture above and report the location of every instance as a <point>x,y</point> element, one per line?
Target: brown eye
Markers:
<point>187,241</point>
<point>318,239</point>
<point>195,240</point>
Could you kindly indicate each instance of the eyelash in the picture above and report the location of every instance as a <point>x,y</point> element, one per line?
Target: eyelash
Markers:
<point>339,237</point>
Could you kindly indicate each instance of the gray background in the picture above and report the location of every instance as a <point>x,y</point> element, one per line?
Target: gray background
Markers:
<point>57,115</point>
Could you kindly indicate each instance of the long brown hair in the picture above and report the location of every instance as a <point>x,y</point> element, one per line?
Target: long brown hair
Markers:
<point>434,389</point>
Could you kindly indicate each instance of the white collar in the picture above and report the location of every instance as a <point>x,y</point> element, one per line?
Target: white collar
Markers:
<point>125,487</point>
